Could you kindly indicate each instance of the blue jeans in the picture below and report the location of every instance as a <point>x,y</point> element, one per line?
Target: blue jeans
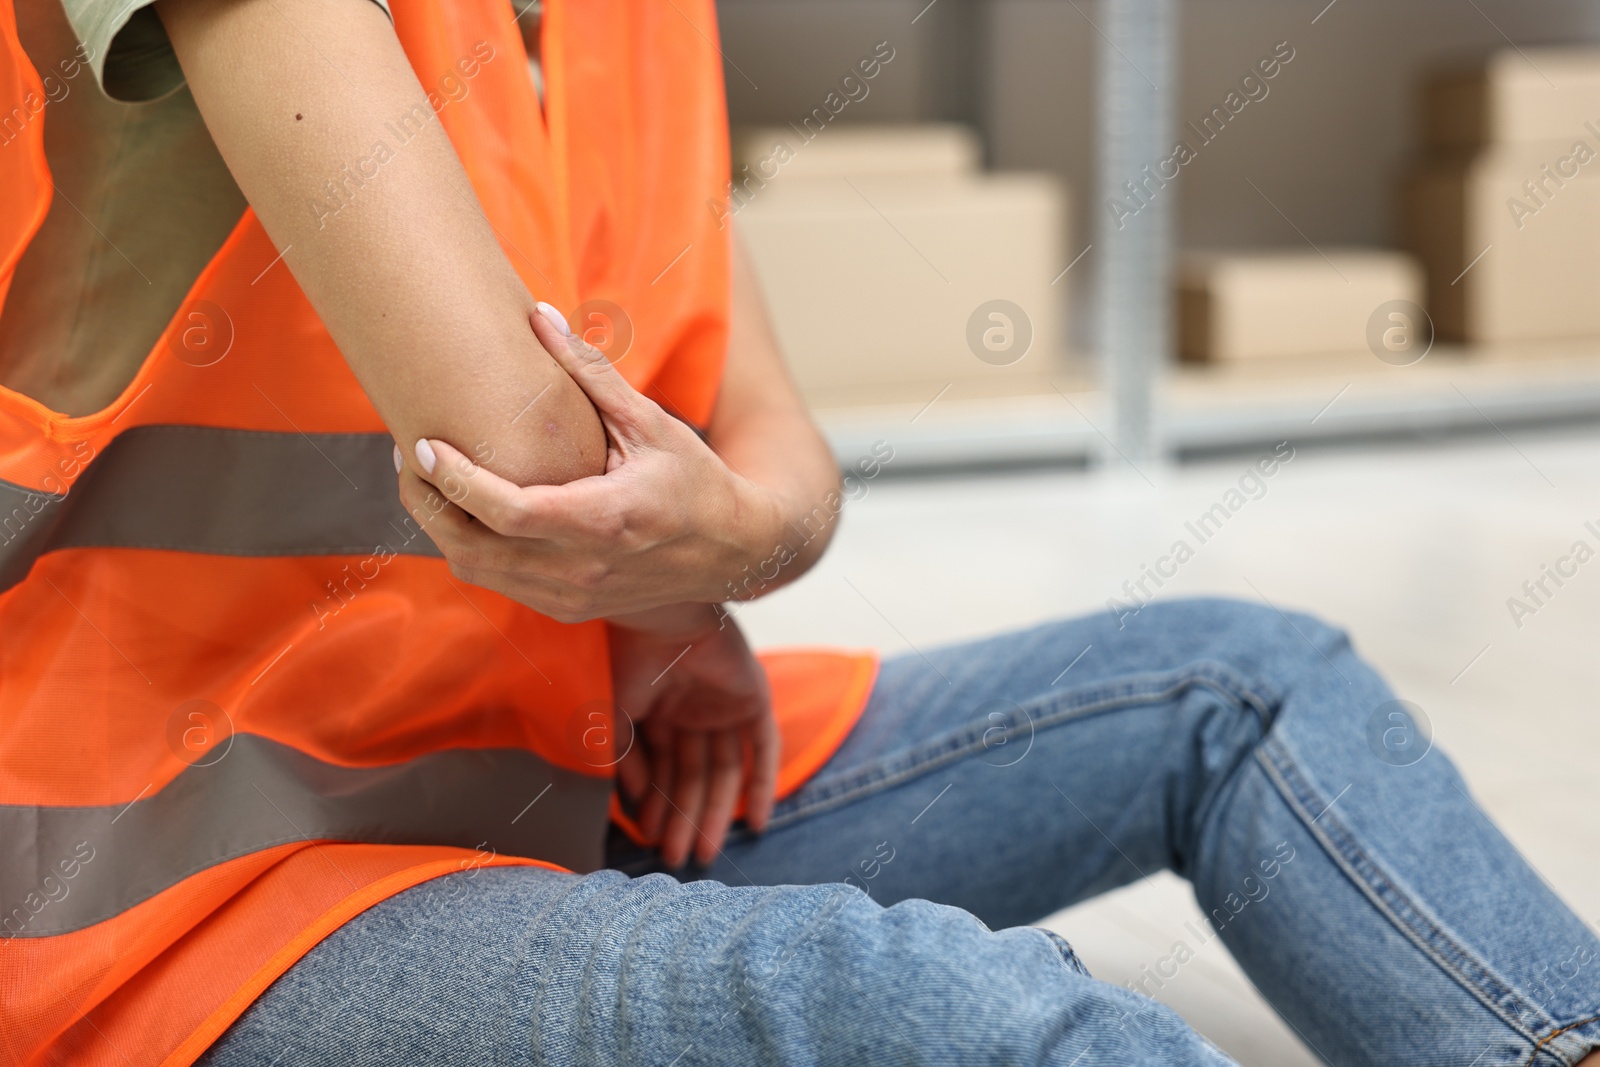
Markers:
<point>879,919</point>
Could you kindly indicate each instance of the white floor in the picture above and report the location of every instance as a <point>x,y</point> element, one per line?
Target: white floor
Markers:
<point>1414,549</point>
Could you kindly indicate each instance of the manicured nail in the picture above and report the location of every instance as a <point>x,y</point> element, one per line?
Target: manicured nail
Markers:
<point>555,318</point>
<point>397,459</point>
<point>425,455</point>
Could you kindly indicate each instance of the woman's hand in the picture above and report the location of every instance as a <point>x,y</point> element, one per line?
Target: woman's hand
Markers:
<point>667,522</point>
<point>703,729</point>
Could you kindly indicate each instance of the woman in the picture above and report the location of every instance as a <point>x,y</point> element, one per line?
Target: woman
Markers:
<point>282,785</point>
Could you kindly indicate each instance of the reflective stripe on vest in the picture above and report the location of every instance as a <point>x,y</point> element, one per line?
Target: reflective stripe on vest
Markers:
<point>252,793</point>
<point>222,491</point>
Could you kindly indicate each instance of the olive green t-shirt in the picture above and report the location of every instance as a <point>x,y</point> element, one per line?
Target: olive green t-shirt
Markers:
<point>142,202</point>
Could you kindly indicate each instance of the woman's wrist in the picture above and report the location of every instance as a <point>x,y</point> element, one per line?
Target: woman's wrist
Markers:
<point>766,520</point>
<point>759,528</point>
<point>798,521</point>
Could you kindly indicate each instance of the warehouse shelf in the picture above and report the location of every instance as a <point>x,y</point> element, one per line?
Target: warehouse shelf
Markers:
<point>1207,410</point>
<point>1093,96</point>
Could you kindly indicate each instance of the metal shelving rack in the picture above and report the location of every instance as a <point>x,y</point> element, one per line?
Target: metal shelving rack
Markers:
<point>1140,409</point>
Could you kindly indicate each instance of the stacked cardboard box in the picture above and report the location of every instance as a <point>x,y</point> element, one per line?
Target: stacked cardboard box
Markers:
<point>1246,305</point>
<point>924,148</point>
<point>877,246</point>
<point>1504,209</point>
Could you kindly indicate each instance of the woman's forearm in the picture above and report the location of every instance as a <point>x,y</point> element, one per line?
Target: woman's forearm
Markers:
<point>762,430</point>
<point>406,273</point>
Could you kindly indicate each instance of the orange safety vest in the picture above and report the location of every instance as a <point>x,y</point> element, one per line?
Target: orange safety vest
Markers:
<point>241,698</point>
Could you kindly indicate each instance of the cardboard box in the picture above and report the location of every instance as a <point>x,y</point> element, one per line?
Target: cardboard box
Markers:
<point>803,151</point>
<point>875,281</point>
<point>1510,242</point>
<point>1514,97</point>
<point>1243,305</point>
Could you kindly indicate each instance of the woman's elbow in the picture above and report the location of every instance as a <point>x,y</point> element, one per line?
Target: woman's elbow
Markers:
<point>557,437</point>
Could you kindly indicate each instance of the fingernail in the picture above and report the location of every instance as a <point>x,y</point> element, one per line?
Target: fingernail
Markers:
<point>556,319</point>
<point>397,459</point>
<point>425,455</point>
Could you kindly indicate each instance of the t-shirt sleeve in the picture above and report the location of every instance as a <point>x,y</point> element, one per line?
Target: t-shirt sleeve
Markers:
<point>128,48</point>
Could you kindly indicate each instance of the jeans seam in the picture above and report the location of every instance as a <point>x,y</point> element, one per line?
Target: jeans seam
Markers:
<point>1540,1047</point>
<point>1131,691</point>
<point>1404,913</point>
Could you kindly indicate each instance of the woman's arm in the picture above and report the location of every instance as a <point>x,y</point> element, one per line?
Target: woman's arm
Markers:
<point>408,275</point>
<point>671,523</point>
<point>761,429</point>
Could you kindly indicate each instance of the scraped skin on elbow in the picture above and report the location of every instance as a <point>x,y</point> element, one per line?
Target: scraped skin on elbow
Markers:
<point>407,275</point>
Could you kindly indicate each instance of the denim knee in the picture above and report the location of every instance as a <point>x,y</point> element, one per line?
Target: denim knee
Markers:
<point>1271,649</point>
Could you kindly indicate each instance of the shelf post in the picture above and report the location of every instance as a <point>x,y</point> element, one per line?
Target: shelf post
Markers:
<point>1135,83</point>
